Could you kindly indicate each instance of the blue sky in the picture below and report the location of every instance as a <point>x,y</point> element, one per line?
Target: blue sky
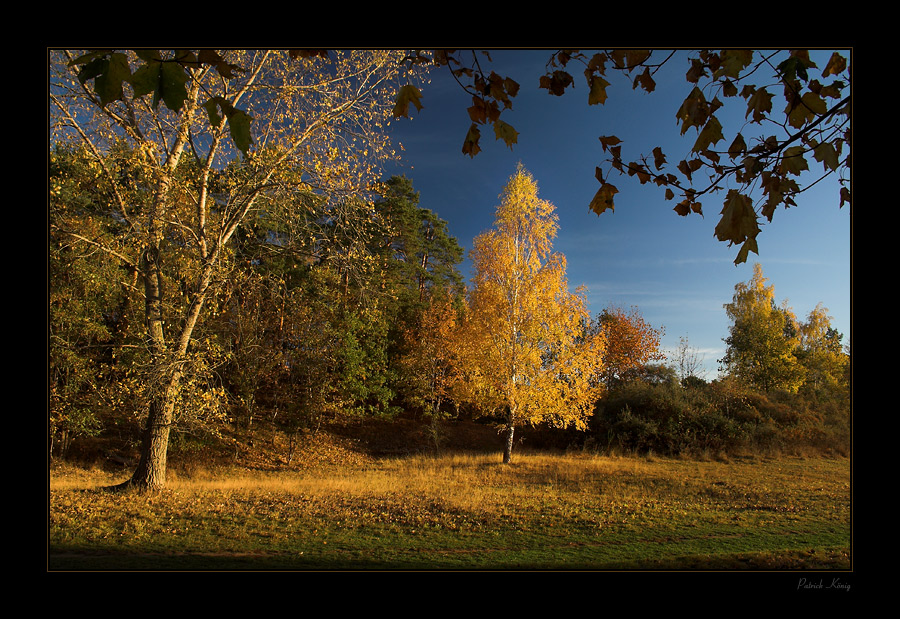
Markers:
<point>672,268</point>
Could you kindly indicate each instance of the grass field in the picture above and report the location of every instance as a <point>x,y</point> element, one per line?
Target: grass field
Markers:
<point>466,512</point>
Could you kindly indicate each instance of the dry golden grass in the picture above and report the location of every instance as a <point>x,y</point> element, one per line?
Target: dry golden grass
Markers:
<point>477,483</point>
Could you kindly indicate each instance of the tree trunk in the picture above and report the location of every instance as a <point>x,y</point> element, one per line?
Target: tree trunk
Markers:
<point>150,473</point>
<point>507,450</point>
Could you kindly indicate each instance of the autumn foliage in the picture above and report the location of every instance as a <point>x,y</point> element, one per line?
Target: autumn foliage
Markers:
<point>221,259</point>
<point>631,342</point>
<point>531,358</point>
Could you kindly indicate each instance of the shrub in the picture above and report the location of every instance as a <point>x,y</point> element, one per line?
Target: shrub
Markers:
<point>664,417</point>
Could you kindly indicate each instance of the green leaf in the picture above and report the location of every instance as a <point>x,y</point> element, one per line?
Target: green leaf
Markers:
<point>239,122</point>
<point>108,83</point>
<point>172,78</point>
<point>239,126</point>
<point>793,161</point>
<point>779,190</point>
<point>827,155</point>
<point>470,145</point>
<point>694,110</point>
<point>806,109</point>
<point>598,90</point>
<point>212,110</point>
<point>148,55</point>
<point>90,57</point>
<point>738,222</point>
<point>211,57</point>
<point>759,104</point>
<point>92,69</point>
<point>146,79</point>
<point>734,61</point>
<point>748,246</point>
<point>711,134</point>
<point>738,147</point>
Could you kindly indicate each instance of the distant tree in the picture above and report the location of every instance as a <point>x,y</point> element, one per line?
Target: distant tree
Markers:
<point>528,355</point>
<point>431,362</point>
<point>654,374</point>
<point>417,249</point>
<point>631,342</point>
<point>821,354</point>
<point>763,338</point>
<point>688,362</point>
<point>88,307</point>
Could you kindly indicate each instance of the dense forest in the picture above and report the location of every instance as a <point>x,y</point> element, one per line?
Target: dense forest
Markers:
<point>200,296</point>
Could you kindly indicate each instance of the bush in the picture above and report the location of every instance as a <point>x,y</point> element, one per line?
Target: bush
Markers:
<point>635,432</point>
<point>665,417</point>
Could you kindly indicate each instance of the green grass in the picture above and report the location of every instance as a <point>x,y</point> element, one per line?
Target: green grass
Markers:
<point>467,512</point>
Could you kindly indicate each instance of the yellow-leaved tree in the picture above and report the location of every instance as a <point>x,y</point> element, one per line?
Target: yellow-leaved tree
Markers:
<point>529,355</point>
<point>821,354</point>
<point>763,339</point>
<point>430,363</point>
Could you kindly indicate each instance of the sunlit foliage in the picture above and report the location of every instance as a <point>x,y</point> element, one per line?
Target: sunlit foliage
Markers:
<point>763,338</point>
<point>531,359</point>
<point>631,342</point>
<point>213,141</point>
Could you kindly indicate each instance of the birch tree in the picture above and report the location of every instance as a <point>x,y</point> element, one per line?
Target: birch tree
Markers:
<point>530,356</point>
<point>763,338</point>
<point>219,138</point>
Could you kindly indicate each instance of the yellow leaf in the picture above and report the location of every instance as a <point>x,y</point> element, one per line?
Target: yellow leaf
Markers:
<point>793,161</point>
<point>408,94</point>
<point>738,222</point>
<point>712,133</point>
<point>598,90</point>
<point>603,199</point>
<point>470,145</point>
<point>504,131</point>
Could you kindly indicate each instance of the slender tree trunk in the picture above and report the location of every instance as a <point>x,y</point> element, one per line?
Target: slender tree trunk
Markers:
<point>507,450</point>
